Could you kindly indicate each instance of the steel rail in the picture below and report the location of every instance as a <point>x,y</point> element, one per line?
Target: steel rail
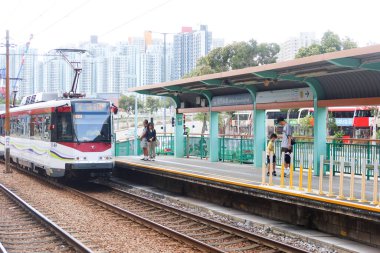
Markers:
<point>228,228</point>
<point>77,245</point>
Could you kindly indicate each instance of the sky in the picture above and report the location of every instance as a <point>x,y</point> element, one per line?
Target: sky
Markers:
<point>56,23</point>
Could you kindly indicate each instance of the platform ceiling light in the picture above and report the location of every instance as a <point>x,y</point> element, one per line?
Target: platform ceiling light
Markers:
<point>198,100</point>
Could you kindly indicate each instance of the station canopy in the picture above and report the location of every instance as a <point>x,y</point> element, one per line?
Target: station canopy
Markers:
<point>343,78</point>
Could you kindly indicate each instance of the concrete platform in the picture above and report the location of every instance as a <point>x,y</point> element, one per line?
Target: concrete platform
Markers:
<point>245,175</point>
<point>239,187</point>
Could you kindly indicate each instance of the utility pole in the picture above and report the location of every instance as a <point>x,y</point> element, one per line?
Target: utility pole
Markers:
<point>8,169</point>
<point>164,121</point>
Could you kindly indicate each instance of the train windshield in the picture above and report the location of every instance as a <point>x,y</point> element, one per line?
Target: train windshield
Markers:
<point>91,122</point>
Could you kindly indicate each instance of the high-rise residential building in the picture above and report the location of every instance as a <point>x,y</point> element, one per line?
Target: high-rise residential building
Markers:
<point>188,47</point>
<point>289,48</point>
<point>24,76</point>
<point>217,42</point>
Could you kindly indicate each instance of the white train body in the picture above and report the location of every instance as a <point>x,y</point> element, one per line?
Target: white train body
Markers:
<point>59,138</point>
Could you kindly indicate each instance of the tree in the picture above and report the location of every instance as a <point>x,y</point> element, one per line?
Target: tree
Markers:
<point>152,104</point>
<point>236,55</point>
<point>330,42</point>
<point>128,103</point>
<point>348,43</point>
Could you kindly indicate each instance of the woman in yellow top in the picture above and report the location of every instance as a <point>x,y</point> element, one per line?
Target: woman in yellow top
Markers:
<point>270,150</point>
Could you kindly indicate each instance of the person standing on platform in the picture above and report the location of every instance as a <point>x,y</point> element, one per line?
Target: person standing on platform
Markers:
<point>270,150</point>
<point>152,138</point>
<point>144,141</point>
<point>286,143</point>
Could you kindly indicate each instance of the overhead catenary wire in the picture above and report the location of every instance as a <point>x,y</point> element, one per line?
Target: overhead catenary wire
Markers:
<point>45,11</point>
<point>140,15</point>
<point>71,11</point>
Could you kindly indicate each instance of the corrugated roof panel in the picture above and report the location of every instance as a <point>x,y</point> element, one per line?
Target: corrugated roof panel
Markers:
<point>360,84</point>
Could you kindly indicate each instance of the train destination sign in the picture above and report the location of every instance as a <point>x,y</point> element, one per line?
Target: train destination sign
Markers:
<point>91,107</point>
<point>288,95</point>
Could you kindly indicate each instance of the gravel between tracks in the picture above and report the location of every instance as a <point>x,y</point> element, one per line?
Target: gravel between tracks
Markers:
<point>97,228</point>
<point>256,229</point>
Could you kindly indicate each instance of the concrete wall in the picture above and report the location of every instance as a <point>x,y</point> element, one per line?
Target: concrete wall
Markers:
<point>360,226</point>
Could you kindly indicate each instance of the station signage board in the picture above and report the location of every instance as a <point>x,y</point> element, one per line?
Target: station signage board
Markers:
<point>275,96</point>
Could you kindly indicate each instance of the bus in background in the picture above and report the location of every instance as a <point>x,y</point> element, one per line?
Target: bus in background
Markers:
<point>343,116</point>
<point>272,115</point>
<point>363,122</point>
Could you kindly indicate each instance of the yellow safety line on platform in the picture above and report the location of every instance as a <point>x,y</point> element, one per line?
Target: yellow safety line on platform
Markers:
<point>265,188</point>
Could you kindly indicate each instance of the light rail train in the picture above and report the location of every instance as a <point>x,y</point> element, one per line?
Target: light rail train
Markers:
<point>61,137</point>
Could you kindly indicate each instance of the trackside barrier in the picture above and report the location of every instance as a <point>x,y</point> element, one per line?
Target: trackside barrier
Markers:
<point>300,186</point>
<point>375,181</point>
<point>310,174</point>
<point>263,168</point>
<point>352,181</point>
<point>363,198</point>
<point>282,178</point>
<point>341,181</point>
<point>331,174</point>
<point>320,192</point>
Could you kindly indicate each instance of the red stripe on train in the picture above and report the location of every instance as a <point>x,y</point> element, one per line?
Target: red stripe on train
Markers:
<point>87,146</point>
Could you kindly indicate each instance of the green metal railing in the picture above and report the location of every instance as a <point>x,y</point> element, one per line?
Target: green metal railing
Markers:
<point>197,146</point>
<point>126,148</point>
<point>236,149</point>
<point>240,149</point>
<point>357,152</point>
<point>166,146</point>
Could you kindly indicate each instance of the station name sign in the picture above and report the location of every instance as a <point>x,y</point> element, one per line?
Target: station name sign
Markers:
<point>276,96</point>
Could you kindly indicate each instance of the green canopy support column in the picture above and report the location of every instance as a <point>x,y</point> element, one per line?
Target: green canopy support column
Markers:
<point>258,129</point>
<point>179,139</point>
<point>320,129</point>
<point>259,136</point>
<point>214,135</point>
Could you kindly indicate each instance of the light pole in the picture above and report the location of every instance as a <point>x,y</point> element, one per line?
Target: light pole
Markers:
<point>8,169</point>
<point>164,77</point>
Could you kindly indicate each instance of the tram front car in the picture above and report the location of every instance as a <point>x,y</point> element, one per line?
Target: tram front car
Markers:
<point>83,144</point>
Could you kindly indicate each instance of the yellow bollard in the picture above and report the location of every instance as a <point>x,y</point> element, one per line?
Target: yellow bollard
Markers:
<point>352,181</point>
<point>300,186</point>
<point>364,170</point>
<point>282,185</point>
<point>309,175</point>
<point>331,194</point>
<point>263,168</point>
<point>291,172</point>
<point>375,181</point>
<point>341,177</point>
<point>320,192</point>
<point>271,169</point>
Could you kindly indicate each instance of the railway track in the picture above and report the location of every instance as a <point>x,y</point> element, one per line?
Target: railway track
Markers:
<point>196,231</point>
<point>24,229</point>
<point>217,236</point>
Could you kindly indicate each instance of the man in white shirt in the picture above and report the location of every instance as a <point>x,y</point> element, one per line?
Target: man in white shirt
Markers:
<point>286,143</point>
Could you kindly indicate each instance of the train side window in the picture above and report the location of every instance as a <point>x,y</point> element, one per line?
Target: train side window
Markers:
<point>64,127</point>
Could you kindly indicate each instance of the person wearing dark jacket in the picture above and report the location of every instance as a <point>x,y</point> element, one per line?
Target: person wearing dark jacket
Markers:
<point>152,138</point>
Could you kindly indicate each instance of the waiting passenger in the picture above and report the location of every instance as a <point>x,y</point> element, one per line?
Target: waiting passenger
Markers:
<point>270,150</point>
<point>144,142</point>
<point>286,143</point>
<point>152,138</point>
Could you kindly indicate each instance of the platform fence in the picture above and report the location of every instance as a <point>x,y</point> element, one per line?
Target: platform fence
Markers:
<point>240,149</point>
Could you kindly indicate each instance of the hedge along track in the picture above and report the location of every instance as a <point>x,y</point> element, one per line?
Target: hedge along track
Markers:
<point>223,237</point>
<point>24,229</point>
